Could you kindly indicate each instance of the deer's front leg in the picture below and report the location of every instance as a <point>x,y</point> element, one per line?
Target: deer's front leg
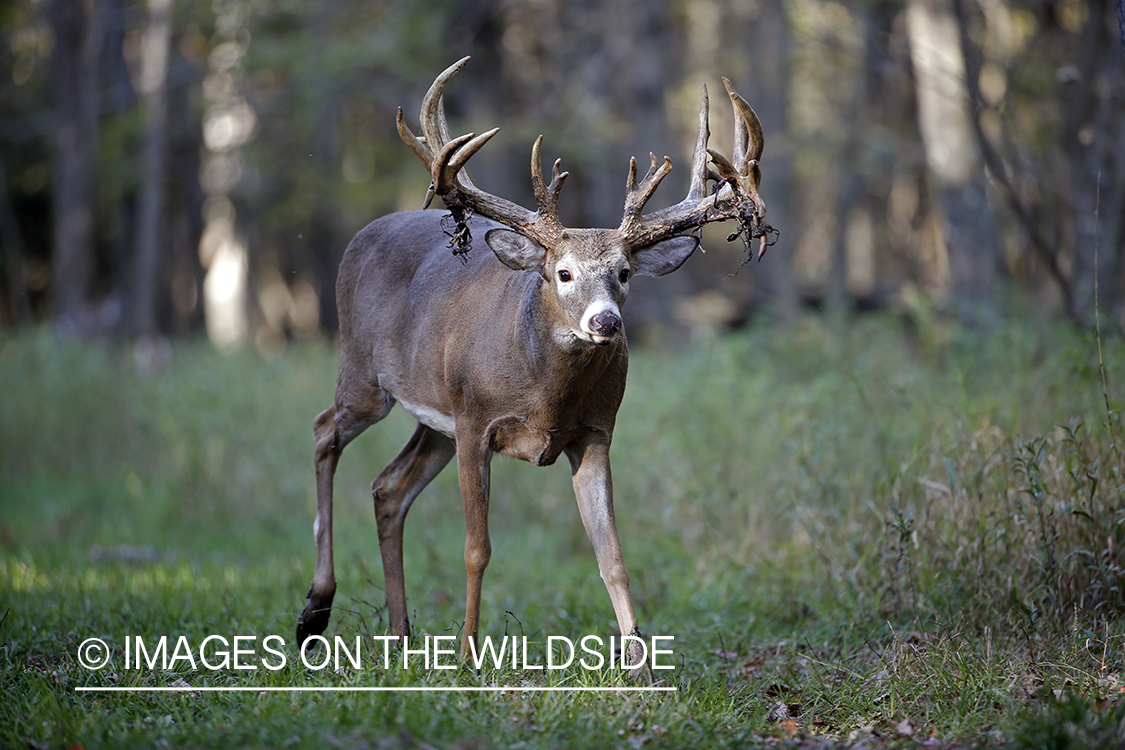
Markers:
<point>473,471</point>
<point>593,487</point>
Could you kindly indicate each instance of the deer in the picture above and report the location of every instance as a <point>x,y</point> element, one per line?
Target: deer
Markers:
<point>519,350</point>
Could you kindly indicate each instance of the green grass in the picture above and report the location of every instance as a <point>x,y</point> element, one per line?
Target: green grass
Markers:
<point>860,533</point>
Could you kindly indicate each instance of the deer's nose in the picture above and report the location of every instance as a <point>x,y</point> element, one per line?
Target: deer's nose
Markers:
<point>605,324</point>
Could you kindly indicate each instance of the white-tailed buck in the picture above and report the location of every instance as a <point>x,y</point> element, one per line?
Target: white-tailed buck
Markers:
<point>519,350</point>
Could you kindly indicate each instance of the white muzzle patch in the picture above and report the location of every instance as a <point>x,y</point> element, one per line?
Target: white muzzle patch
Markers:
<point>592,311</point>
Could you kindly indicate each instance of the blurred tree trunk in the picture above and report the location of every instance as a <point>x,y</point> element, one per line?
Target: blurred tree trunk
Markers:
<point>883,248</point>
<point>1119,6</point>
<point>770,50</point>
<point>851,184</point>
<point>1044,249</point>
<point>227,126</point>
<point>1088,129</point>
<point>154,75</point>
<point>14,252</point>
<point>969,227</point>
<point>73,82</point>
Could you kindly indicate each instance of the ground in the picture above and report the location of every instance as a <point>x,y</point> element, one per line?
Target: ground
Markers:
<point>859,533</point>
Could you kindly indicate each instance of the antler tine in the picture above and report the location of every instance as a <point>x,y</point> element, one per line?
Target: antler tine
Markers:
<point>546,195</point>
<point>638,194</point>
<point>463,154</point>
<point>442,124</point>
<point>537,167</point>
<point>741,137</point>
<point>698,187</point>
<point>749,141</point>
<point>727,171</point>
<point>444,167</point>
<point>557,178</point>
<point>432,116</point>
<point>417,145</point>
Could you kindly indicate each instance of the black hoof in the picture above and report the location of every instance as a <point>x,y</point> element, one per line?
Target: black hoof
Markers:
<point>314,619</point>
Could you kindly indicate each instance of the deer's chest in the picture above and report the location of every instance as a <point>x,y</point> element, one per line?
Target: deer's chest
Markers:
<point>521,438</point>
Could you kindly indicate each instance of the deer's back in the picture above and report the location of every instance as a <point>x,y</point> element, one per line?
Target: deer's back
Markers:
<point>412,314</point>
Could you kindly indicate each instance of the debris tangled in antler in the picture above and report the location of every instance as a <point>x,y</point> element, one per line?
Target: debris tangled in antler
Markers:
<point>460,238</point>
<point>751,227</point>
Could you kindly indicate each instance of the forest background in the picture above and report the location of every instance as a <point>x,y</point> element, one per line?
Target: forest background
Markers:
<point>177,166</point>
<point>889,530</point>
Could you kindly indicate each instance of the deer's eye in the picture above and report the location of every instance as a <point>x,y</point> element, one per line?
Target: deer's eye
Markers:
<point>624,275</point>
<point>564,275</point>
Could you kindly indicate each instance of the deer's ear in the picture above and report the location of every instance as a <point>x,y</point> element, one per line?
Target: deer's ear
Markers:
<point>664,257</point>
<point>516,251</point>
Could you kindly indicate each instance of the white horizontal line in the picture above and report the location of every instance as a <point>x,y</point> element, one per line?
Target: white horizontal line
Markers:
<point>373,689</point>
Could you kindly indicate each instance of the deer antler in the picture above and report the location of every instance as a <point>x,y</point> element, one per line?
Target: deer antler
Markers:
<point>446,157</point>
<point>735,197</point>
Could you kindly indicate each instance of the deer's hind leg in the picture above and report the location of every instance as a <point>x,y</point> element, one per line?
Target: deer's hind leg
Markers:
<point>393,491</point>
<point>335,427</point>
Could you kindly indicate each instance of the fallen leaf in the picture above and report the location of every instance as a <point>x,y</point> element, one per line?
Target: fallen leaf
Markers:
<point>752,665</point>
<point>773,690</point>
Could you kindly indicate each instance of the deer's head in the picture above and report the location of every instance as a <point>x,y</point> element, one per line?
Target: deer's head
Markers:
<point>586,272</point>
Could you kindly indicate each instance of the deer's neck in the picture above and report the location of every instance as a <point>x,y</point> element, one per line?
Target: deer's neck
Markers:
<point>563,389</point>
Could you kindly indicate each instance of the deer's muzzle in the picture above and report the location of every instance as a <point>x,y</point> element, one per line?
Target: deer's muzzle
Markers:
<point>605,324</point>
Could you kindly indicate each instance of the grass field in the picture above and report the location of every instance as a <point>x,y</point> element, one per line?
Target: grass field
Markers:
<point>864,533</point>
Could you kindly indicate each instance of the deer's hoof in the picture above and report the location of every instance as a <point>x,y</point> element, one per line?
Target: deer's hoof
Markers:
<point>642,674</point>
<point>632,655</point>
<point>314,619</point>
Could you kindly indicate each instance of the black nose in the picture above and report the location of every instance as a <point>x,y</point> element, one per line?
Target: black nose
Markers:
<point>605,324</point>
